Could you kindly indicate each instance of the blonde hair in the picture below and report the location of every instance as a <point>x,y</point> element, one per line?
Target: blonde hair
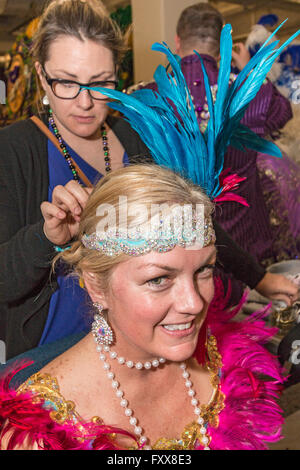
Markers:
<point>140,184</point>
<point>83,19</point>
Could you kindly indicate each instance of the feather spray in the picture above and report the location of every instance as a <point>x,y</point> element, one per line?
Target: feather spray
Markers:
<point>166,120</point>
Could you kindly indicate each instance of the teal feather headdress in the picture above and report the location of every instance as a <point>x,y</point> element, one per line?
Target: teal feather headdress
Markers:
<point>166,120</point>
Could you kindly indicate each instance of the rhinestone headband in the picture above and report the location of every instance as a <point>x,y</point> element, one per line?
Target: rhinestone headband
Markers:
<point>138,241</point>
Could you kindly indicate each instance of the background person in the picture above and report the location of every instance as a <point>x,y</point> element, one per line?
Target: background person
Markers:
<point>199,28</point>
<point>279,177</point>
<point>76,42</point>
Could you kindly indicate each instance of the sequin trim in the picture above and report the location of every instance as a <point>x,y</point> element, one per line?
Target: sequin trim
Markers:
<point>46,391</point>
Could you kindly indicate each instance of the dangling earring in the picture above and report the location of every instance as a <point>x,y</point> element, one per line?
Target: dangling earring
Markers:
<point>100,328</point>
<point>45,100</point>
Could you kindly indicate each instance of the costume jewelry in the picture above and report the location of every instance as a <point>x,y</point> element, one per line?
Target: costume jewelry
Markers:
<point>167,123</point>
<point>100,328</point>
<point>66,153</point>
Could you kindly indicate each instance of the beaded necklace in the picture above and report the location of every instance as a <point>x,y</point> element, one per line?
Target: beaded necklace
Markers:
<point>68,156</point>
<point>143,441</point>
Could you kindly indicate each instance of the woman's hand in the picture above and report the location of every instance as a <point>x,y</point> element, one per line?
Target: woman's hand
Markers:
<point>62,215</point>
<point>240,55</point>
<point>278,287</point>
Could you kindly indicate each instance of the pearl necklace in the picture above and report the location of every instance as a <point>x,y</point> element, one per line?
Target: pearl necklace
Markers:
<point>137,429</point>
<point>130,364</point>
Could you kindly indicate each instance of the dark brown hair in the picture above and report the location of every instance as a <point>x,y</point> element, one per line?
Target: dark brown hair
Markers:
<point>83,19</point>
<point>200,22</point>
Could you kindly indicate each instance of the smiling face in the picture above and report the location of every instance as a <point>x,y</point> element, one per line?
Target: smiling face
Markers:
<point>157,302</point>
<point>85,62</point>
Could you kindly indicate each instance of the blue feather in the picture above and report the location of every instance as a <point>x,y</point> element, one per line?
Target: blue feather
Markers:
<point>257,69</point>
<point>210,132</point>
<point>274,33</point>
<point>244,138</point>
<point>242,92</point>
<point>224,75</point>
<point>247,69</point>
<point>167,123</point>
<point>242,76</point>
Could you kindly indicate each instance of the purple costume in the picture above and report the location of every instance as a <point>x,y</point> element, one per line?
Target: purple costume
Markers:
<point>280,180</point>
<point>268,112</point>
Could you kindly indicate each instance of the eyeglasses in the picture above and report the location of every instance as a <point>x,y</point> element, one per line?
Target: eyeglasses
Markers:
<point>69,89</point>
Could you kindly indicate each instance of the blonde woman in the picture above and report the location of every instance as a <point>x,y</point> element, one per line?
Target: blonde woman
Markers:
<point>161,368</point>
<point>41,201</point>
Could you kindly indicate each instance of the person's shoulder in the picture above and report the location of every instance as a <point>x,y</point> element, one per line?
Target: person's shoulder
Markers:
<point>38,358</point>
<point>71,358</point>
<point>14,129</point>
<point>22,145</point>
<point>70,374</point>
<point>21,131</point>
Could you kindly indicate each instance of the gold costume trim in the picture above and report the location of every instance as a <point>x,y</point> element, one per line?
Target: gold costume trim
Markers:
<point>46,390</point>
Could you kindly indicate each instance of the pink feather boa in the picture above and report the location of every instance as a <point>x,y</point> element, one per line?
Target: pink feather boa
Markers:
<point>250,419</point>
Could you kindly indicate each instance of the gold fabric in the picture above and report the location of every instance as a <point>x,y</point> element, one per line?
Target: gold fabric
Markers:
<point>285,245</point>
<point>45,390</point>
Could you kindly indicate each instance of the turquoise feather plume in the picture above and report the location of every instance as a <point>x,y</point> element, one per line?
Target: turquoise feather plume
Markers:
<point>166,120</point>
<point>224,75</point>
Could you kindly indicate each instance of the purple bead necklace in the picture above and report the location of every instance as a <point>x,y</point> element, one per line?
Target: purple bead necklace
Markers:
<point>67,155</point>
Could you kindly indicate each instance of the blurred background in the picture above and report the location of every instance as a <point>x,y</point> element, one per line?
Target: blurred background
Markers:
<point>143,23</point>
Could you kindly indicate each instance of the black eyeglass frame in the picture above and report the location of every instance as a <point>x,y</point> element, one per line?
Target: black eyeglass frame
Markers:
<point>82,86</point>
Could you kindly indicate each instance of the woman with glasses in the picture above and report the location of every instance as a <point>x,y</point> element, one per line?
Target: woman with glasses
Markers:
<point>76,45</point>
<point>41,163</point>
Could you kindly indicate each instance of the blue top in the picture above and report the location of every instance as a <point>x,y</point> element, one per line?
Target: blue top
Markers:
<point>70,306</point>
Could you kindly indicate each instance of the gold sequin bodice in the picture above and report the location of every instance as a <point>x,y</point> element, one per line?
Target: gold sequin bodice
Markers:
<point>45,390</point>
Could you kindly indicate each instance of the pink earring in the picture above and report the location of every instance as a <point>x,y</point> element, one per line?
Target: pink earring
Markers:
<point>100,328</point>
